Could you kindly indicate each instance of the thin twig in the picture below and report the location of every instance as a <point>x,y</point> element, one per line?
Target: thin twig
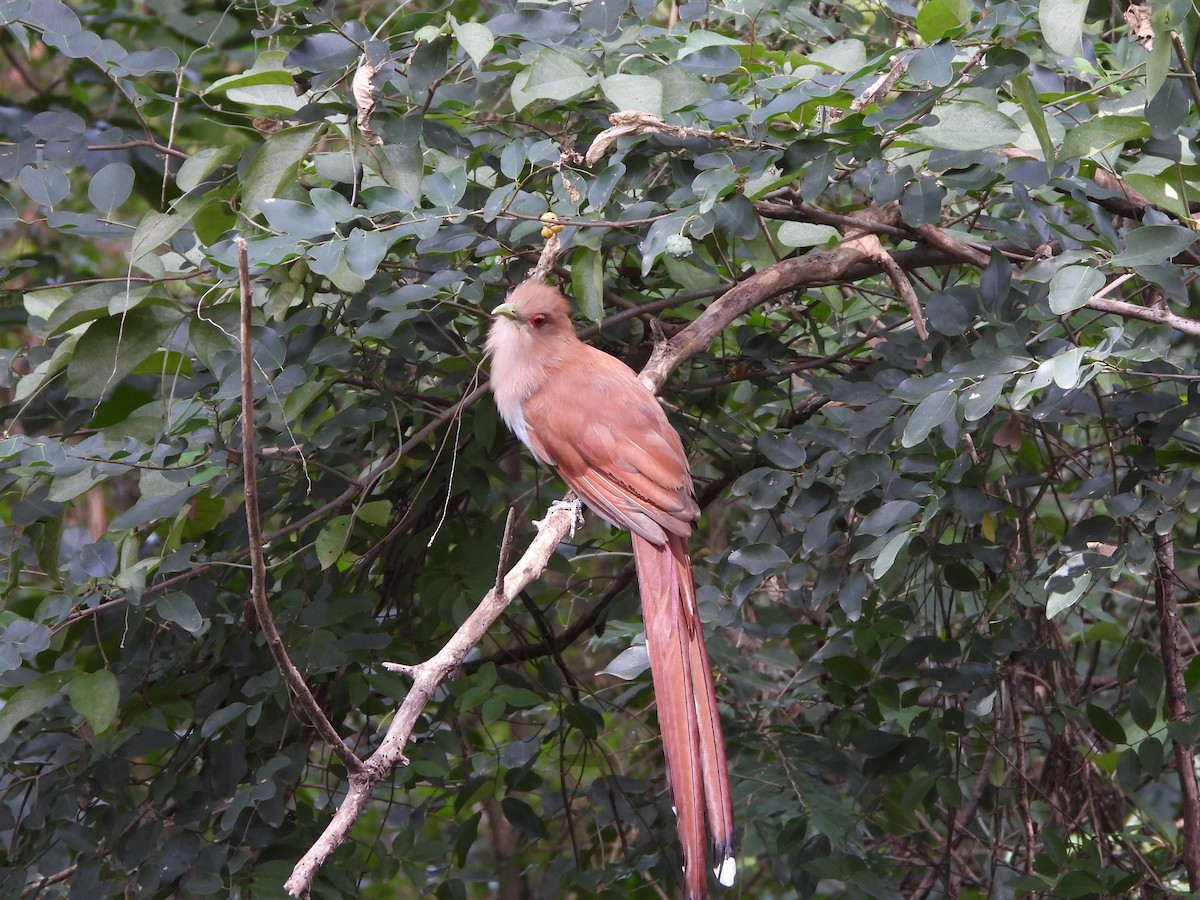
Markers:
<point>1176,690</point>
<point>1181,54</point>
<point>258,564</point>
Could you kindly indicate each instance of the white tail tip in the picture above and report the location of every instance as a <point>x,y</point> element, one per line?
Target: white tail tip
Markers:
<point>726,872</point>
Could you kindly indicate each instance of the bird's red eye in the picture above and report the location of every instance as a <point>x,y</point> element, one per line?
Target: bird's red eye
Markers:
<point>537,320</point>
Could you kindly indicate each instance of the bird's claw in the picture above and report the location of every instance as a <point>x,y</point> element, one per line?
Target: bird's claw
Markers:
<point>575,507</point>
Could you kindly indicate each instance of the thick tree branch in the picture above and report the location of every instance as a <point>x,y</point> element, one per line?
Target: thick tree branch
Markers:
<point>788,275</point>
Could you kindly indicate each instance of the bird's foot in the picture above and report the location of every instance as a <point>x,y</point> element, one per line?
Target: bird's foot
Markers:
<point>575,507</point>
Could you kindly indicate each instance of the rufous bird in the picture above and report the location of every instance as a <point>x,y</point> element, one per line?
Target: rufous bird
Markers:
<point>585,413</point>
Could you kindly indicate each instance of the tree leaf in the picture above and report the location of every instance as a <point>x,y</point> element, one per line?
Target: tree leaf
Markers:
<point>890,552</point>
<point>552,76</point>
<point>110,187</point>
<point>331,540</point>
<point>1096,135</point>
<point>276,163</point>
<point>1062,25</point>
<point>759,558</point>
<point>1058,602</point>
<point>634,92</point>
<point>1106,726</point>
<point>29,700</point>
<point>629,663</point>
<point>966,126</point>
<point>937,18</point>
<point>1072,287</point>
<point>587,281</point>
<point>181,609</point>
<point>1035,113</point>
<point>111,348</point>
<point>979,399</point>
<point>96,697</point>
<point>45,183</point>
<point>474,38</point>
<point>1151,244</point>
<point>929,414</point>
<point>267,85</point>
<point>522,815</point>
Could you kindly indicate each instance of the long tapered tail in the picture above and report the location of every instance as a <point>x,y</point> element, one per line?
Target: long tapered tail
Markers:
<point>687,710</point>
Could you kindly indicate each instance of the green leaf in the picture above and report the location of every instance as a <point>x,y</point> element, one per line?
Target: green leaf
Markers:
<point>1029,384</point>
<point>1065,370</point>
<point>937,18</point>
<point>1096,135</point>
<point>783,450</point>
<point>1072,287</point>
<point>552,76</point>
<point>376,512</point>
<point>297,219</point>
<point>891,550</point>
<point>587,281</point>
<point>110,187</point>
<point>31,699</point>
<point>966,126</point>
<point>759,558</point>
<point>847,670</point>
<point>1160,190</point>
<point>1059,602</point>
<point>111,348</point>
<point>96,697</point>
<point>629,663</point>
<point>1153,244</point>
<point>197,167</point>
<point>929,414</point>
<point>1158,64</point>
<point>266,85</point>
<point>522,815</point>
<point>805,234</point>
<point>276,164</point>
<point>1062,25</point>
<point>474,38</point>
<point>979,399</point>
<point>1026,95</point>
<point>1106,726</point>
<point>635,92</point>
<point>181,609</point>
<point>93,302</point>
<point>332,540</point>
<point>156,228</point>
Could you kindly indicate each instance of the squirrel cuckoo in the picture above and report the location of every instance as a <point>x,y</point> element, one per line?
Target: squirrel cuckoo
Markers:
<point>586,414</point>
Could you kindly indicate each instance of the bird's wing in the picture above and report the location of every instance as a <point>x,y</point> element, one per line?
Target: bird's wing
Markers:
<point>612,444</point>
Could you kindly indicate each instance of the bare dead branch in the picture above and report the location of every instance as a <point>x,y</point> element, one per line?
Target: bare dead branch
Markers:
<point>1155,314</point>
<point>426,678</point>
<point>632,121</point>
<point>258,564</point>
<point>959,249</point>
<point>874,249</point>
<point>877,89</point>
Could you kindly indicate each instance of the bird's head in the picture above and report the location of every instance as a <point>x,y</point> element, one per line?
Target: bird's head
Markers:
<point>534,316</point>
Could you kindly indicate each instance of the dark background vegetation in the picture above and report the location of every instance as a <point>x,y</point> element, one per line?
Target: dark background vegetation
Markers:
<point>947,558</point>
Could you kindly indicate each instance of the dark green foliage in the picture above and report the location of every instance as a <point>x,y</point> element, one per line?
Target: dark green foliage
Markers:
<point>931,568</point>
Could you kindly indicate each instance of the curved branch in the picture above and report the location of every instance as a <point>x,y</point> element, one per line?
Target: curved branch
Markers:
<point>258,564</point>
<point>787,275</point>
